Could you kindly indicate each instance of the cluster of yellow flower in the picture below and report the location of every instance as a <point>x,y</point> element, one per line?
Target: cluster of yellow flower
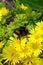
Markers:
<point>3,12</point>
<point>27,49</point>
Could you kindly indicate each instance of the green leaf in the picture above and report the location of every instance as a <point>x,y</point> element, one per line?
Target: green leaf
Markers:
<point>1,4</point>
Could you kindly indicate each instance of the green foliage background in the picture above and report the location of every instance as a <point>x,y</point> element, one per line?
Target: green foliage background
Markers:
<point>34,4</point>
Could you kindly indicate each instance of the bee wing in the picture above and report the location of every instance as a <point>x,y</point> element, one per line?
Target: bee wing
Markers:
<point>15,35</point>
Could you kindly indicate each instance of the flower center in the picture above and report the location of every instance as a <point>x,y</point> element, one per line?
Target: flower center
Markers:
<point>36,36</point>
<point>35,47</point>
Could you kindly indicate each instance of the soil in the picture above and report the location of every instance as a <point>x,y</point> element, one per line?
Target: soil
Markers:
<point>8,4</point>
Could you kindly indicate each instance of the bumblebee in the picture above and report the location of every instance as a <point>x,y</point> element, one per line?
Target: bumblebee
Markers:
<point>19,32</point>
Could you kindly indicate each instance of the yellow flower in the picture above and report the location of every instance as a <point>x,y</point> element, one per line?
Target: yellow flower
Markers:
<point>35,47</point>
<point>23,7</point>
<point>3,11</point>
<point>22,50</point>
<point>35,35</point>
<point>10,54</point>
<point>13,52</point>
